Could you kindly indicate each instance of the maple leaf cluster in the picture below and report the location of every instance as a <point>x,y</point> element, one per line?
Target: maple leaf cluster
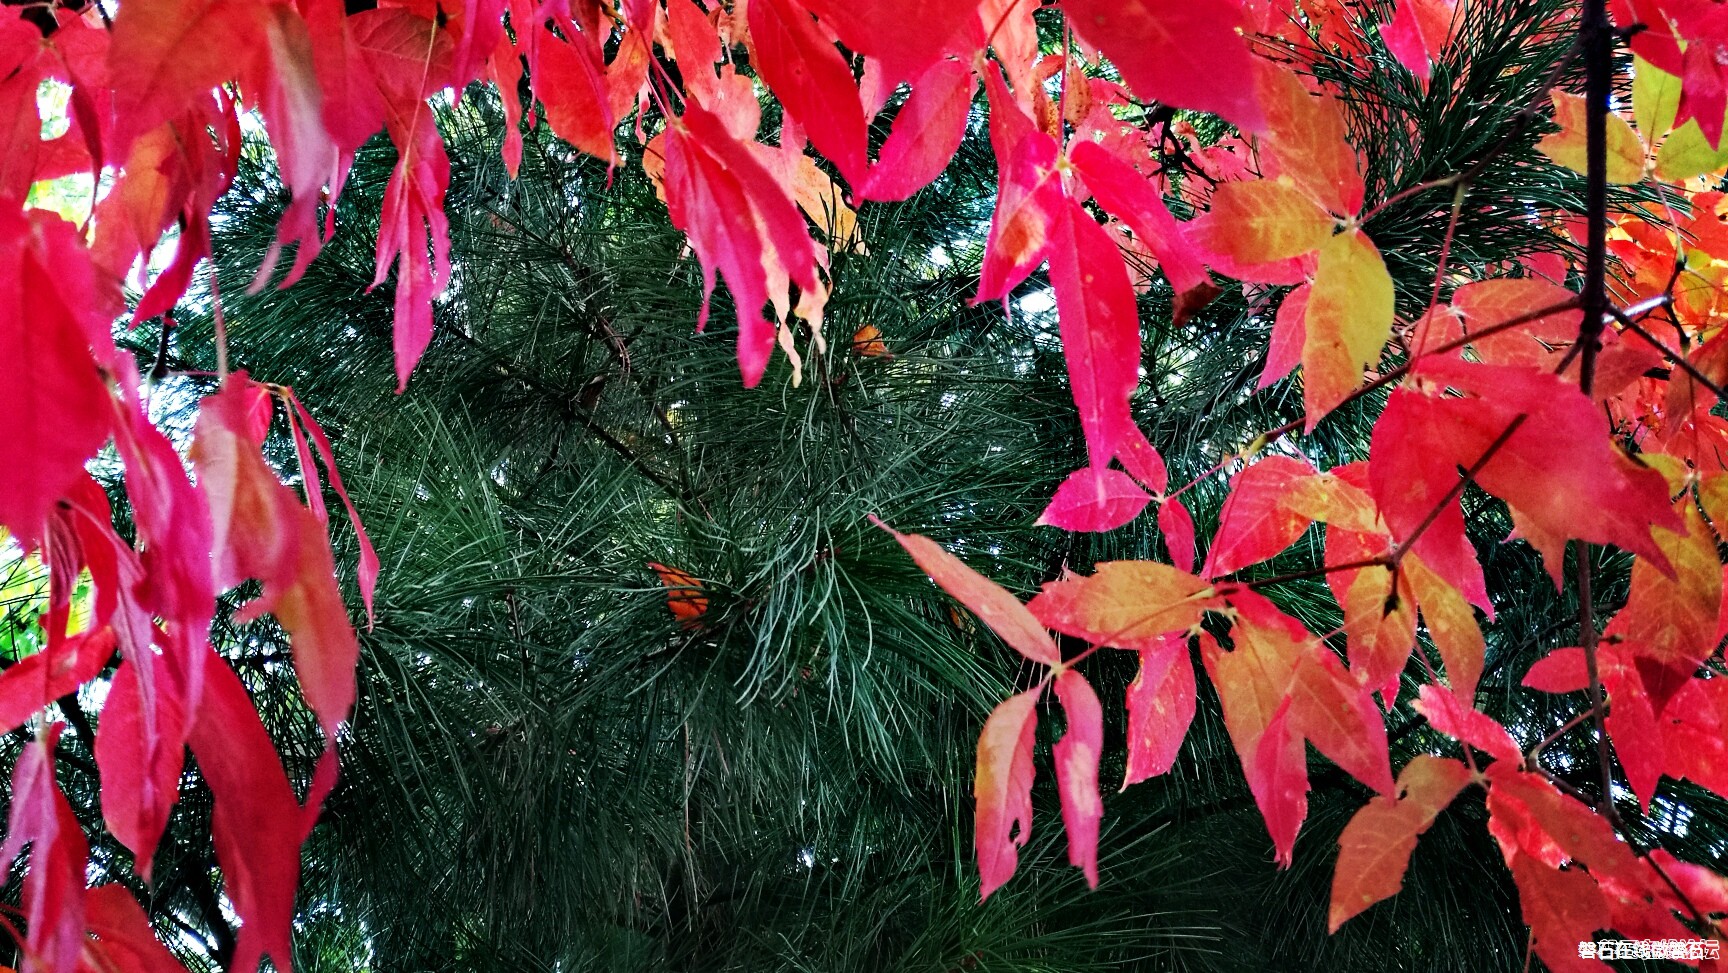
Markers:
<point>1590,431</point>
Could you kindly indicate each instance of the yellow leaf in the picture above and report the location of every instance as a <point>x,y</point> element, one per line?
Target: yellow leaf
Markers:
<point>1625,152</point>
<point>1261,222</point>
<point>1687,153</point>
<point>1128,604</point>
<point>1655,98</point>
<point>1349,317</point>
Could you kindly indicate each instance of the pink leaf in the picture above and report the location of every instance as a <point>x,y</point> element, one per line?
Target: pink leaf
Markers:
<point>926,133</point>
<point>1289,334</point>
<point>1094,499</point>
<point>1177,526</point>
<point>813,82</point>
<point>1100,330</point>
<point>1077,770</point>
<point>54,316</point>
<point>1003,788</point>
<point>1161,704</point>
<point>368,572</point>
<point>993,604</point>
<point>54,886</point>
<point>1459,720</point>
<point>140,750</point>
<point>1131,198</point>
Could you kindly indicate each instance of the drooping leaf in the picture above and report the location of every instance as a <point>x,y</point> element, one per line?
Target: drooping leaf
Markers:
<point>1131,198</point>
<point>1161,704</point>
<point>368,567</point>
<point>925,135</point>
<point>257,823</point>
<point>53,896</point>
<point>140,750</point>
<point>1077,770</point>
<point>813,82</point>
<point>54,317</point>
<point>262,531</point>
<point>1374,850</point>
<point>121,938</point>
<point>993,605</point>
<point>1003,788</point>
<point>1100,330</point>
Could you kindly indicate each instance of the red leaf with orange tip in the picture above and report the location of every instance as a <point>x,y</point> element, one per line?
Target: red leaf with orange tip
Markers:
<point>1003,788</point>
<point>813,82</point>
<point>1306,137</point>
<point>53,896</point>
<point>926,133</point>
<point>1029,200</point>
<point>1374,850</point>
<point>1161,703</point>
<point>993,605</point>
<point>1095,499</point>
<point>1128,604</point>
<point>570,80</point>
<point>1077,770</point>
<point>1257,522</point>
<point>684,596</point>
<point>1183,53</point>
<point>262,531</point>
